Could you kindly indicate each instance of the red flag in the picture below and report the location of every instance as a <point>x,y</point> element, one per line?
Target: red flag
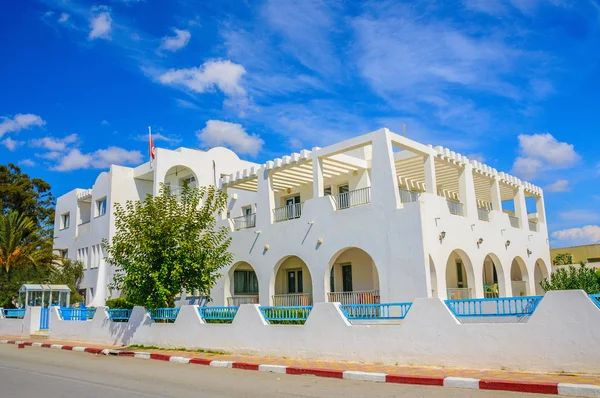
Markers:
<point>151,149</point>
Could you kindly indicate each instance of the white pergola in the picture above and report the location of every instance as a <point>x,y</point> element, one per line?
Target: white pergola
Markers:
<point>31,295</point>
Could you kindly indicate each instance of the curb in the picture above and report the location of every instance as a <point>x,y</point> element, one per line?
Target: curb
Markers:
<point>564,389</point>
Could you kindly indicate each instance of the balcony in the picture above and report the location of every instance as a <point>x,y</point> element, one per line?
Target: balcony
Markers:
<point>288,212</point>
<point>244,222</point>
<point>292,300</point>
<point>357,297</point>
<point>483,214</point>
<point>84,228</point>
<point>238,300</point>
<point>407,196</point>
<point>349,199</point>
<point>455,208</point>
<point>533,226</point>
<point>514,221</point>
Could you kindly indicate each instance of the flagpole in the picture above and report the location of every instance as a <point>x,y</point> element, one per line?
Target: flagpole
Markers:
<point>150,144</point>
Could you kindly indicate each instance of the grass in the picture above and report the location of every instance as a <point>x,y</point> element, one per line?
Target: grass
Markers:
<point>151,347</point>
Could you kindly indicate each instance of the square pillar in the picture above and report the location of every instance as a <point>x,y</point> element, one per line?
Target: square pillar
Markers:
<point>384,183</point>
<point>318,184</point>
<point>540,209</point>
<point>430,178</point>
<point>496,197</point>
<point>467,192</point>
<point>266,199</point>
<point>521,207</point>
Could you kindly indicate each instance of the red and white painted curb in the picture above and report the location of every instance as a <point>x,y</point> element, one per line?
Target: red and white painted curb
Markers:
<point>565,389</point>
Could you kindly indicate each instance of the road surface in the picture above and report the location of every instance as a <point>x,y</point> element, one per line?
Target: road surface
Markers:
<point>45,373</point>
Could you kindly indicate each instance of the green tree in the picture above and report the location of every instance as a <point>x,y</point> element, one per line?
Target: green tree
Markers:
<point>168,243</point>
<point>28,196</point>
<point>573,278</point>
<point>563,259</point>
<point>68,272</point>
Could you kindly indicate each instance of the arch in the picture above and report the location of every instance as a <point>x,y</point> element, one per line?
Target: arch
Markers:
<point>540,272</point>
<point>178,176</point>
<point>291,282</point>
<point>494,284</point>
<point>352,277</point>
<point>519,277</point>
<point>460,279</point>
<point>241,285</point>
<point>433,278</point>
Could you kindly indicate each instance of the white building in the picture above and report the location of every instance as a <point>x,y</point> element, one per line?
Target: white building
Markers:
<point>376,218</point>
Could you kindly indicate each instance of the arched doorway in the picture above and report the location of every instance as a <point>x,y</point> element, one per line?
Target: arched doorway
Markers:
<point>540,272</point>
<point>493,277</point>
<point>352,278</point>
<point>433,278</point>
<point>178,177</point>
<point>243,285</point>
<point>519,278</point>
<point>459,276</point>
<point>292,283</point>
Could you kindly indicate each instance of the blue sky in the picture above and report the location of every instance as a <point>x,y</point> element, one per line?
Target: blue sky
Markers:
<point>514,83</point>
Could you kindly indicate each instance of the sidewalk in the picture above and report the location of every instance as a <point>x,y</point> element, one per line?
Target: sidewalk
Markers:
<point>427,375</point>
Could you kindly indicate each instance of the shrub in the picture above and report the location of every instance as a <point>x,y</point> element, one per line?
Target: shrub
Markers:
<point>119,302</point>
<point>573,278</point>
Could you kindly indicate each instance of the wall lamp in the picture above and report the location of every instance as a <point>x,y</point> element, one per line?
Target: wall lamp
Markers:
<point>529,252</point>
<point>480,241</point>
<point>507,243</point>
<point>442,235</point>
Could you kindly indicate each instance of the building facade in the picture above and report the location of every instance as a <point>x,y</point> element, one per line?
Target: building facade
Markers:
<point>376,218</point>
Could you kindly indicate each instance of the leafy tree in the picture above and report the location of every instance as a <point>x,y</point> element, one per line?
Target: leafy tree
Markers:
<point>68,272</point>
<point>28,196</point>
<point>168,243</point>
<point>563,259</point>
<point>573,278</point>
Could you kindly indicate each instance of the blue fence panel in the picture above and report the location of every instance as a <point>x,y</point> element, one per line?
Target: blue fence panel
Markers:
<point>119,314</point>
<point>218,313</point>
<point>291,313</point>
<point>44,318</point>
<point>77,314</point>
<point>14,313</point>
<point>505,306</point>
<point>376,311</point>
<point>164,314</point>
<point>596,299</point>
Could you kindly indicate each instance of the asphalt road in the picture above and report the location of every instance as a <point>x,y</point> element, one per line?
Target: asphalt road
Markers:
<point>39,372</point>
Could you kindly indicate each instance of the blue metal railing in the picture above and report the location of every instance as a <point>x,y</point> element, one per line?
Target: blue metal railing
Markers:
<point>505,306</point>
<point>218,313</point>
<point>375,311</point>
<point>76,314</point>
<point>119,314</point>
<point>596,299</point>
<point>291,313</point>
<point>44,318</point>
<point>14,313</point>
<point>164,314</point>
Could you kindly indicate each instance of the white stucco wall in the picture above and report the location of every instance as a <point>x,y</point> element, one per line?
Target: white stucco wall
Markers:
<point>563,335</point>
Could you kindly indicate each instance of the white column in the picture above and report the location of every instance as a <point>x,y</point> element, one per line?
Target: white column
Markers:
<point>467,191</point>
<point>521,207</point>
<point>266,199</point>
<point>496,197</point>
<point>540,209</point>
<point>318,184</point>
<point>384,184</point>
<point>430,178</point>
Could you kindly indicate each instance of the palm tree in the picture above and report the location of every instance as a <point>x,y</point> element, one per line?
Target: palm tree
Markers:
<point>23,244</point>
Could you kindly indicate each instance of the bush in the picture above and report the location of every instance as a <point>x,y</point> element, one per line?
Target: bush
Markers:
<point>573,278</point>
<point>119,302</point>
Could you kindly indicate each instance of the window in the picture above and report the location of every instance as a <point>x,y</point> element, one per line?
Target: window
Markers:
<point>247,210</point>
<point>327,191</point>
<point>83,294</point>
<point>593,260</point>
<point>459,274</point>
<point>245,282</point>
<point>188,182</point>
<point>332,280</point>
<point>295,282</point>
<point>101,207</point>
<point>64,253</point>
<point>97,255</point>
<point>83,256</point>
<point>292,210</point>
<point>65,220</point>
<point>343,201</point>
<point>347,277</point>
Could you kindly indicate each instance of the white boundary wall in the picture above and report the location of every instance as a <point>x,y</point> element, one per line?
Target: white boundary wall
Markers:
<point>562,335</point>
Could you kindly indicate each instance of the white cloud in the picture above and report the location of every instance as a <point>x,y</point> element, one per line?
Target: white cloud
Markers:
<point>477,156</point>
<point>181,39</point>
<point>104,122</point>
<point>54,144</point>
<point>558,186</point>
<point>100,24</point>
<point>222,74</point>
<point>27,163</point>
<point>99,159</point>
<point>232,135</point>
<point>156,136</point>
<point>11,144</point>
<point>64,17</point>
<point>538,152</point>
<point>19,122</point>
<point>584,216</point>
<point>586,234</point>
